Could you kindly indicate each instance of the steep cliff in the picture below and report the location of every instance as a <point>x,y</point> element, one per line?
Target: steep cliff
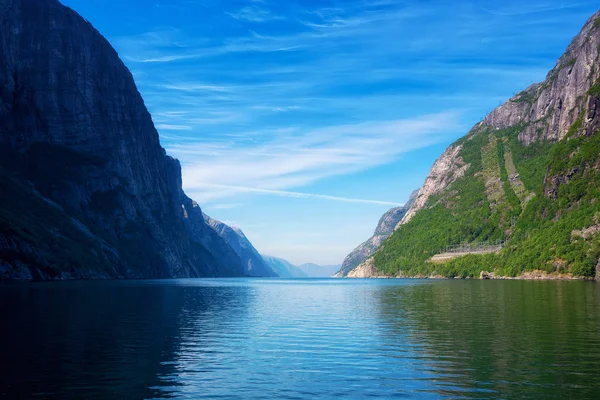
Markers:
<point>87,190</point>
<point>385,227</point>
<point>252,261</point>
<point>527,176</point>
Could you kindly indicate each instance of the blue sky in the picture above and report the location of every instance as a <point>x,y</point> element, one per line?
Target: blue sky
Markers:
<point>301,122</point>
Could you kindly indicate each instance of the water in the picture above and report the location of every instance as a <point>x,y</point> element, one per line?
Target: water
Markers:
<point>303,339</point>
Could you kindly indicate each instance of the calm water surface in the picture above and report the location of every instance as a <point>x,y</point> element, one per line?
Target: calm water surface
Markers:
<point>300,339</point>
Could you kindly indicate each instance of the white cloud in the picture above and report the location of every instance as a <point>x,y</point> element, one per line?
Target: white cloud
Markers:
<point>287,159</point>
<point>276,108</point>
<point>254,13</point>
<point>298,195</point>
<point>225,206</point>
<point>194,87</point>
<point>310,28</point>
<point>166,127</point>
<point>526,9</point>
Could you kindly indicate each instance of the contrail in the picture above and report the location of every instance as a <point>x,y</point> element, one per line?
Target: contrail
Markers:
<point>301,195</point>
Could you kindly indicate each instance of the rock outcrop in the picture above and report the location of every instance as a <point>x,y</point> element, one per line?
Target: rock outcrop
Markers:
<point>549,109</point>
<point>253,263</point>
<point>87,190</point>
<point>366,269</point>
<point>447,169</point>
<point>384,229</point>
<point>545,110</point>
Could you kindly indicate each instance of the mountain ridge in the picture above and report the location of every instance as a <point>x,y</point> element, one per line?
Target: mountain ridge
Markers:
<point>92,192</point>
<point>527,175</point>
<point>385,227</point>
<point>253,262</point>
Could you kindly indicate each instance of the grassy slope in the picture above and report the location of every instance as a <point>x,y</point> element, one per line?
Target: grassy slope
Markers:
<point>542,236</point>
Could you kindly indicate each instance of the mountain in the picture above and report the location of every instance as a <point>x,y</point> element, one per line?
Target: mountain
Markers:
<point>520,191</point>
<point>253,262</point>
<point>385,227</point>
<point>319,271</point>
<point>284,268</point>
<point>86,189</point>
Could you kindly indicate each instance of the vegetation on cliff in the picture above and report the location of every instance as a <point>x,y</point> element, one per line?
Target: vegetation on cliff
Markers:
<point>533,182</point>
<point>547,210</point>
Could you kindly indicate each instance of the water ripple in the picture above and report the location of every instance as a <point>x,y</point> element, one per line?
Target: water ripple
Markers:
<point>304,339</point>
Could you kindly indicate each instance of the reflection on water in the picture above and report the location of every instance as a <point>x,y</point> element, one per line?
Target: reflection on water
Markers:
<point>304,339</point>
<point>505,339</point>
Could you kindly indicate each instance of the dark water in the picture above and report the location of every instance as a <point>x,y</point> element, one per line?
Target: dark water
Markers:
<point>306,339</point>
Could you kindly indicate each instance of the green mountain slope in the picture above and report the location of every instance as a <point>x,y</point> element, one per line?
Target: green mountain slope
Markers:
<point>528,175</point>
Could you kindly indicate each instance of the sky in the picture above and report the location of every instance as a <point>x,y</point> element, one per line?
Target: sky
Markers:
<point>302,121</point>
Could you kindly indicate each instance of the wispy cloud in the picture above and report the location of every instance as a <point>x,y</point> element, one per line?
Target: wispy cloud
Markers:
<point>288,159</point>
<point>308,28</point>
<point>300,195</point>
<point>194,87</point>
<point>277,109</point>
<point>531,8</point>
<point>166,127</point>
<point>248,226</point>
<point>225,206</point>
<point>254,13</point>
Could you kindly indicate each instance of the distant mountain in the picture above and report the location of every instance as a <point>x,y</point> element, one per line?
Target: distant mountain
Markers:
<point>284,268</point>
<point>86,190</point>
<point>384,229</point>
<point>519,194</point>
<point>319,271</point>
<point>253,262</point>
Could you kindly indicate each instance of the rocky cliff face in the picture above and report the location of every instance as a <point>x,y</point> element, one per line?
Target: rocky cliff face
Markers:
<point>387,223</point>
<point>366,269</point>
<point>545,110</point>
<point>548,109</point>
<point>384,229</point>
<point>78,143</point>
<point>527,176</point>
<point>446,170</point>
<point>252,261</point>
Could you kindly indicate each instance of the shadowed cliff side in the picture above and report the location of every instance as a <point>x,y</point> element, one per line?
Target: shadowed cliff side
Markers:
<point>253,263</point>
<point>87,190</point>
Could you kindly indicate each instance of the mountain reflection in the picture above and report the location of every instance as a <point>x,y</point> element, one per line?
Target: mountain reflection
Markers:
<point>276,339</point>
<point>509,339</point>
<point>101,339</point>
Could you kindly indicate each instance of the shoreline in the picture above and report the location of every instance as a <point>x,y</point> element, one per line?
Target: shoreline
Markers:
<point>535,275</point>
<point>368,270</point>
